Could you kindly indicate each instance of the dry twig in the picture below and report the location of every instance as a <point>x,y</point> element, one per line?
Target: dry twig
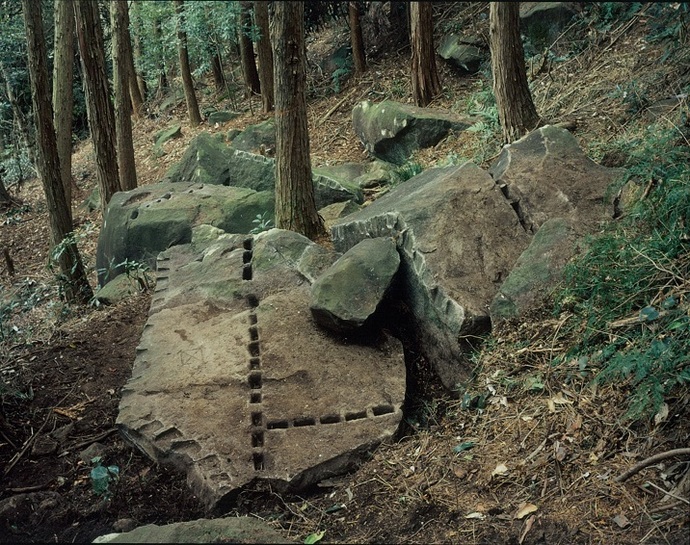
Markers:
<point>650,461</point>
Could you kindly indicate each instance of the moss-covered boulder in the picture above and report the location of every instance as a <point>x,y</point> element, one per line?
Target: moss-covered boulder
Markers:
<point>393,131</point>
<point>139,224</point>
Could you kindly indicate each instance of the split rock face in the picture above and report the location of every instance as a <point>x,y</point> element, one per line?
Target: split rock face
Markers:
<point>233,382</point>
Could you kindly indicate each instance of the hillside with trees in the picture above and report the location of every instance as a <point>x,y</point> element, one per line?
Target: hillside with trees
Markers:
<point>574,425</point>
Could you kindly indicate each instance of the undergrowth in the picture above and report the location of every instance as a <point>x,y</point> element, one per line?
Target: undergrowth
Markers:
<point>628,289</point>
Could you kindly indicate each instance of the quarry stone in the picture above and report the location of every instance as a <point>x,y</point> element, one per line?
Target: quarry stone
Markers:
<point>349,292</point>
<point>233,382</point>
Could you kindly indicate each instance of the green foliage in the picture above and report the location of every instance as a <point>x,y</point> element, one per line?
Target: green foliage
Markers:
<point>406,171</point>
<point>482,105</point>
<point>605,14</point>
<point>102,477</point>
<point>634,275</point>
<point>262,222</point>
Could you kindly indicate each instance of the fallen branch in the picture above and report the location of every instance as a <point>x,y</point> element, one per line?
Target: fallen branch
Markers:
<point>91,441</point>
<point>338,105</point>
<point>650,461</point>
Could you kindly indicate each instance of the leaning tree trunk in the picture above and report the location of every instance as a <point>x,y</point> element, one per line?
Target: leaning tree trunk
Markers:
<point>516,110</point>
<point>295,204</point>
<point>425,80</point>
<point>99,107</point>
<point>63,94</point>
<point>73,280</point>
<point>187,81</point>
<point>265,54</point>
<point>251,76</point>
<point>356,39</point>
<point>121,79</point>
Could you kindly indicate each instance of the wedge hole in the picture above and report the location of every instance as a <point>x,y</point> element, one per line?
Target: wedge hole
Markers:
<point>382,409</point>
<point>258,458</point>
<point>330,419</point>
<point>359,415</point>
<point>255,380</point>
<point>277,425</point>
<point>306,421</point>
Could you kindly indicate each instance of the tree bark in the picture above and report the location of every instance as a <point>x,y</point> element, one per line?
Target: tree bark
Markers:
<point>98,105</point>
<point>356,38</point>
<point>217,69</point>
<point>295,204</point>
<point>19,119</point>
<point>251,76</point>
<point>426,83</point>
<point>516,111</point>
<point>137,52</point>
<point>73,280</point>
<point>187,81</point>
<point>63,94</point>
<point>128,58</point>
<point>265,54</point>
<point>122,78</point>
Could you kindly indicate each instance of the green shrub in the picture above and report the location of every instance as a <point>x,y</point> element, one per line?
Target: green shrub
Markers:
<point>628,289</point>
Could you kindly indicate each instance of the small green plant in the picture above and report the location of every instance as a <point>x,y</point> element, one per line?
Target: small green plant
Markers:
<point>102,477</point>
<point>262,222</point>
<point>136,271</point>
<point>408,170</point>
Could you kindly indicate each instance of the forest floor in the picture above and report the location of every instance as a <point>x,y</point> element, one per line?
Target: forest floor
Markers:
<point>537,464</point>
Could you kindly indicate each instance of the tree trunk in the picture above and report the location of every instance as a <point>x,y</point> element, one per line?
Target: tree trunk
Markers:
<point>187,82</point>
<point>162,77</point>
<point>98,105</point>
<point>128,57</point>
<point>356,39</point>
<point>137,52</point>
<point>217,69</point>
<point>295,203</point>
<point>73,278</point>
<point>251,76</point>
<point>516,111</point>
<point>425,81</point>
<point>63,94</point>
<point>121,78</point>
<point>19,119</point>
<point>265,54</point>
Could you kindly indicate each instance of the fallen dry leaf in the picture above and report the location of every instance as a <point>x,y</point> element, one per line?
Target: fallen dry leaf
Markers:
<point>621,520</point>
<point>524,509</point>
<point>500,469</point>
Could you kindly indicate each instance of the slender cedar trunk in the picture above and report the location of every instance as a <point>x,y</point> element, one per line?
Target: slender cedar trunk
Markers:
<point>162,77</point>
<point>73,279</point>
<point>295,201</point>
<point>251,76</point>
<point>217,69</point>
<point>356,39</point>
<point>516,111</point>
<point>19,119</point>
<point>187,82</point>
<point>99,106</point>
<point>121,79</point>
<point>425,80</point>
<point>128,59</point>
<point>265,54</point>
<point>137,52</point>
<point>63,94</point>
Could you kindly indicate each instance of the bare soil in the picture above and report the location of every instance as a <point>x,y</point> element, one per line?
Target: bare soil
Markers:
<point>532,465</point>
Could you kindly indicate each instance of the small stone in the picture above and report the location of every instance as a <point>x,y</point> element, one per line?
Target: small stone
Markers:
<point>91,452</point>
<point>124,525</point>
